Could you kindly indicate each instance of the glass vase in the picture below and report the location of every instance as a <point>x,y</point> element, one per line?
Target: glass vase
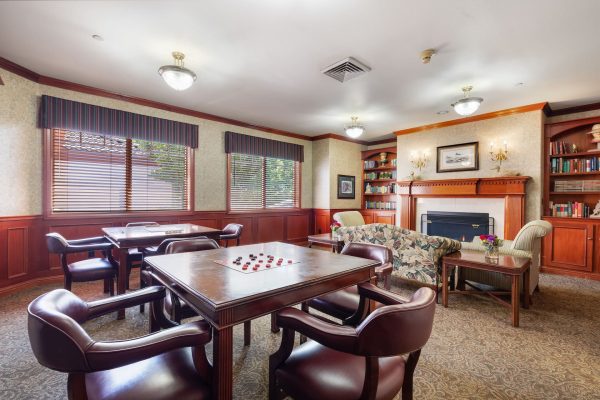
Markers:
<point>492,253</point>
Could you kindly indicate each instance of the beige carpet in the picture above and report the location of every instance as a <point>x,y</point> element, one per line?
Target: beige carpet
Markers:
<point>473,353</point>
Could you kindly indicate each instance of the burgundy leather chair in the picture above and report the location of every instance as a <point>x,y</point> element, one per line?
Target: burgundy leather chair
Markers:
<point>93,269</point>
<point>345,362</point>
<point>232,232</point>
<point>135,257</point>
<point>168,364</point>
<point>342,304</point>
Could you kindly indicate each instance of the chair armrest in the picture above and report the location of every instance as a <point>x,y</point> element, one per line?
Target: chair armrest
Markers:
<point>72,248</point>
<point>383,270</point>
<point>341,338</point>
<point>379,295</point>
<point>109,355</point>
<point>92,240</point>
<point>116,303</point>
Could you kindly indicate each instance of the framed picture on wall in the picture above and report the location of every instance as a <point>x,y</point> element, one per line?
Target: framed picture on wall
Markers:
<point>346,187</point>
<point>458,157</point>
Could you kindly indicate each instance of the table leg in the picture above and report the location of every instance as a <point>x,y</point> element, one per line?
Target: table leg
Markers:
<point>526,283</point>
<point>310,245</point>
<point>122,277</point>
<point>515,297</point>
<point>222,385</point>
<point>444,284</point>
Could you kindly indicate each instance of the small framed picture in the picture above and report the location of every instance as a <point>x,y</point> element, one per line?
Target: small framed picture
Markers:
<point>458,157</point>
<point>346,187</point>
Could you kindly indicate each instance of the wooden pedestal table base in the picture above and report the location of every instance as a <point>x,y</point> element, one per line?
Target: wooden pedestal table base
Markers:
<point>515,267</point>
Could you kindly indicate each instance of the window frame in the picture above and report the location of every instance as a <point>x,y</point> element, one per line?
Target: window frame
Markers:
<point>47,180</point>
<point>298,194</point>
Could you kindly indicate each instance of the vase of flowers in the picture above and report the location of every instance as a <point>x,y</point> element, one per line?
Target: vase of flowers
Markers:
<point>491,244</point>
<point>334,229</point>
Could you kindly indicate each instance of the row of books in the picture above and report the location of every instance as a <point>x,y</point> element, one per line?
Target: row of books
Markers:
<point>570,210</point>
<point>369,164</point>
<point>384,189</point>
<point>564,166</point>
<point>380,175</point>
<point>577,186</point>
<point>559,147</point>
<point>380,205</point>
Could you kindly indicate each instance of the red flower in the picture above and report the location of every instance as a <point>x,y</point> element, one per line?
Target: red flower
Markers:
<point>482,237</point>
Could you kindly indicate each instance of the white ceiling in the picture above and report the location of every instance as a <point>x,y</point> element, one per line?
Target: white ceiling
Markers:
<point>259,61</point>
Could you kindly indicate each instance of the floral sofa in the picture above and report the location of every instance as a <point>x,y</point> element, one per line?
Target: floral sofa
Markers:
<point>417,257</point>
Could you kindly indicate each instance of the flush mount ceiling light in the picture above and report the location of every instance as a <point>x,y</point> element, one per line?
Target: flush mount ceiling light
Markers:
<point>355,129</point>
<point>467,105</point>
<point>177,76</point>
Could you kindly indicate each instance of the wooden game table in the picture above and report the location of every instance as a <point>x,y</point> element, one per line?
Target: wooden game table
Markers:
<point>226,296</point>
<point>144,236</point>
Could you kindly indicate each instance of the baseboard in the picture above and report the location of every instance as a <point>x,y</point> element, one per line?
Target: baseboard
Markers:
<point>7,290</point>
<point>566,272</point>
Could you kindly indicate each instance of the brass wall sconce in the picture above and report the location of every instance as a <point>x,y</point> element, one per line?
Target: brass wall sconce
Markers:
<point>418,161</point>
<point>498,155</point>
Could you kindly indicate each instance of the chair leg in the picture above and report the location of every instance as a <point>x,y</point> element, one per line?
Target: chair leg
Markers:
<point>274,327</point>
<point>76,389</point>
<point>68,283</point>
<point>226,243</point>
<point>247,332</point>
<point>142,285</point>
<point>237,242</point>
<point>409,371</point>
<point>111,286</point>
<point>106,286</point>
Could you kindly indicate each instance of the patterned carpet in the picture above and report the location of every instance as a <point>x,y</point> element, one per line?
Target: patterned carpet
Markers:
<point>473,353</point>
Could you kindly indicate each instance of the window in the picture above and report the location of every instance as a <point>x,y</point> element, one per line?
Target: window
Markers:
<point>97,173</point>
<point>258,182</point>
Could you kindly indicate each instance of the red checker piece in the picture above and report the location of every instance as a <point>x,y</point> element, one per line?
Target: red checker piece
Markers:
<point>290,261</point>
<point>268,265</point>
<point>245,267</point>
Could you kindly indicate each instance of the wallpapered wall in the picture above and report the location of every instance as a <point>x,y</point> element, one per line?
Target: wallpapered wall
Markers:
<point>21,150</point>
<point>523,133</point>
<point>330,159</point>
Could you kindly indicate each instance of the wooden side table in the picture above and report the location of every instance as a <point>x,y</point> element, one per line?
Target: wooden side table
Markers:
<point>327,239</point>
<point>515,267</point>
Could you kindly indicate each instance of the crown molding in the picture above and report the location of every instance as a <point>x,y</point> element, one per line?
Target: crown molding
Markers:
<point>574,109</point>
<point>339,137</point>
<point>480,117</point>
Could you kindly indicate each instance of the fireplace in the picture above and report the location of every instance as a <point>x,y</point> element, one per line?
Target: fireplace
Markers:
<point>461,226</point>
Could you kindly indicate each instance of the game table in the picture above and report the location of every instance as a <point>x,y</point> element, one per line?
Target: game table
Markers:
<point>226,294</point>
<point>125,238</point>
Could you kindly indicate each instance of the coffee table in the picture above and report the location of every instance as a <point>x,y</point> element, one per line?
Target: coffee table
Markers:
<point>515,267</point>
<point>327,239</point>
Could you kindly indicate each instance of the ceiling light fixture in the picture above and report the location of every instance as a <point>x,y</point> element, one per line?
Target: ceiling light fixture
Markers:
<point>355,129</point>
<point>467,105</point>
<point>177,76</point>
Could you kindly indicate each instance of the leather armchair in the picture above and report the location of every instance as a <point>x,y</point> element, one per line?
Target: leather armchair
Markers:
<point>232,232</point>
<point>124,369</point>
<point>102,268</point>
<point>362,362</point>
<point>342,304</point>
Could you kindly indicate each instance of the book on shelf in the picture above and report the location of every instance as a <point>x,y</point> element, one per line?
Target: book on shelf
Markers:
<point>370,164</point>
<point>380,205</point>
<point>577,185</point>
<point>380,189</point>
<point>560,147</point>
<point>369,176</point>
<point>571,209</point>
<point>565,166</point>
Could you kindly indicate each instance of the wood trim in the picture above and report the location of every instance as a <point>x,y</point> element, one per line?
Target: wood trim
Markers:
<point>368,153</point>
<point>480,117</point>
<point>19,70</point>
<point>339,137</point>
<point>17,287</point>
<point>382,141</point>
<point>574,109</point>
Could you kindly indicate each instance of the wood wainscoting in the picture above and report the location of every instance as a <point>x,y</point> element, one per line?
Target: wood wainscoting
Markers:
<point>25,261</point>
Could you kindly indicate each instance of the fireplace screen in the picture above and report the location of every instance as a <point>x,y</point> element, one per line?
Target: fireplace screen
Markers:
<point>457,225</point>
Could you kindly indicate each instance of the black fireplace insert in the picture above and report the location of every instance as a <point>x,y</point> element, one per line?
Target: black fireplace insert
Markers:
<point>457,225</point>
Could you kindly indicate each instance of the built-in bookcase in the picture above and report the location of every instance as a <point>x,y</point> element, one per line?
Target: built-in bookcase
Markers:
<point>379,189</point>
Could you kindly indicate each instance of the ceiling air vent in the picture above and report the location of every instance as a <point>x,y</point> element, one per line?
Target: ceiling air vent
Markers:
<point>346,69</point>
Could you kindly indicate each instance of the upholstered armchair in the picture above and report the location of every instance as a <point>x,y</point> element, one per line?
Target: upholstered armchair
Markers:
<point>168,364</point>
<point>353,362</point>
<point>527,244</point>
<point>349,218</point>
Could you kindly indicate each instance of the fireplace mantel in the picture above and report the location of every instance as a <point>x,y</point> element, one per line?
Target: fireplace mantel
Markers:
<point>511,188</point>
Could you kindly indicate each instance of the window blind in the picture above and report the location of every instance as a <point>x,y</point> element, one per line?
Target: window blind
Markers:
<point>98,173</point>
<point>262,182</point>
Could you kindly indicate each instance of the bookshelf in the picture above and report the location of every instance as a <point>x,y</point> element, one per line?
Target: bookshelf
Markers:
<point>379,193</point>
<point>571,191</point>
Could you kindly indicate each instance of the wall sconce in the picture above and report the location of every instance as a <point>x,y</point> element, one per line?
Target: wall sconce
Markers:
<point>498,155</point>
<point>418,161</point>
